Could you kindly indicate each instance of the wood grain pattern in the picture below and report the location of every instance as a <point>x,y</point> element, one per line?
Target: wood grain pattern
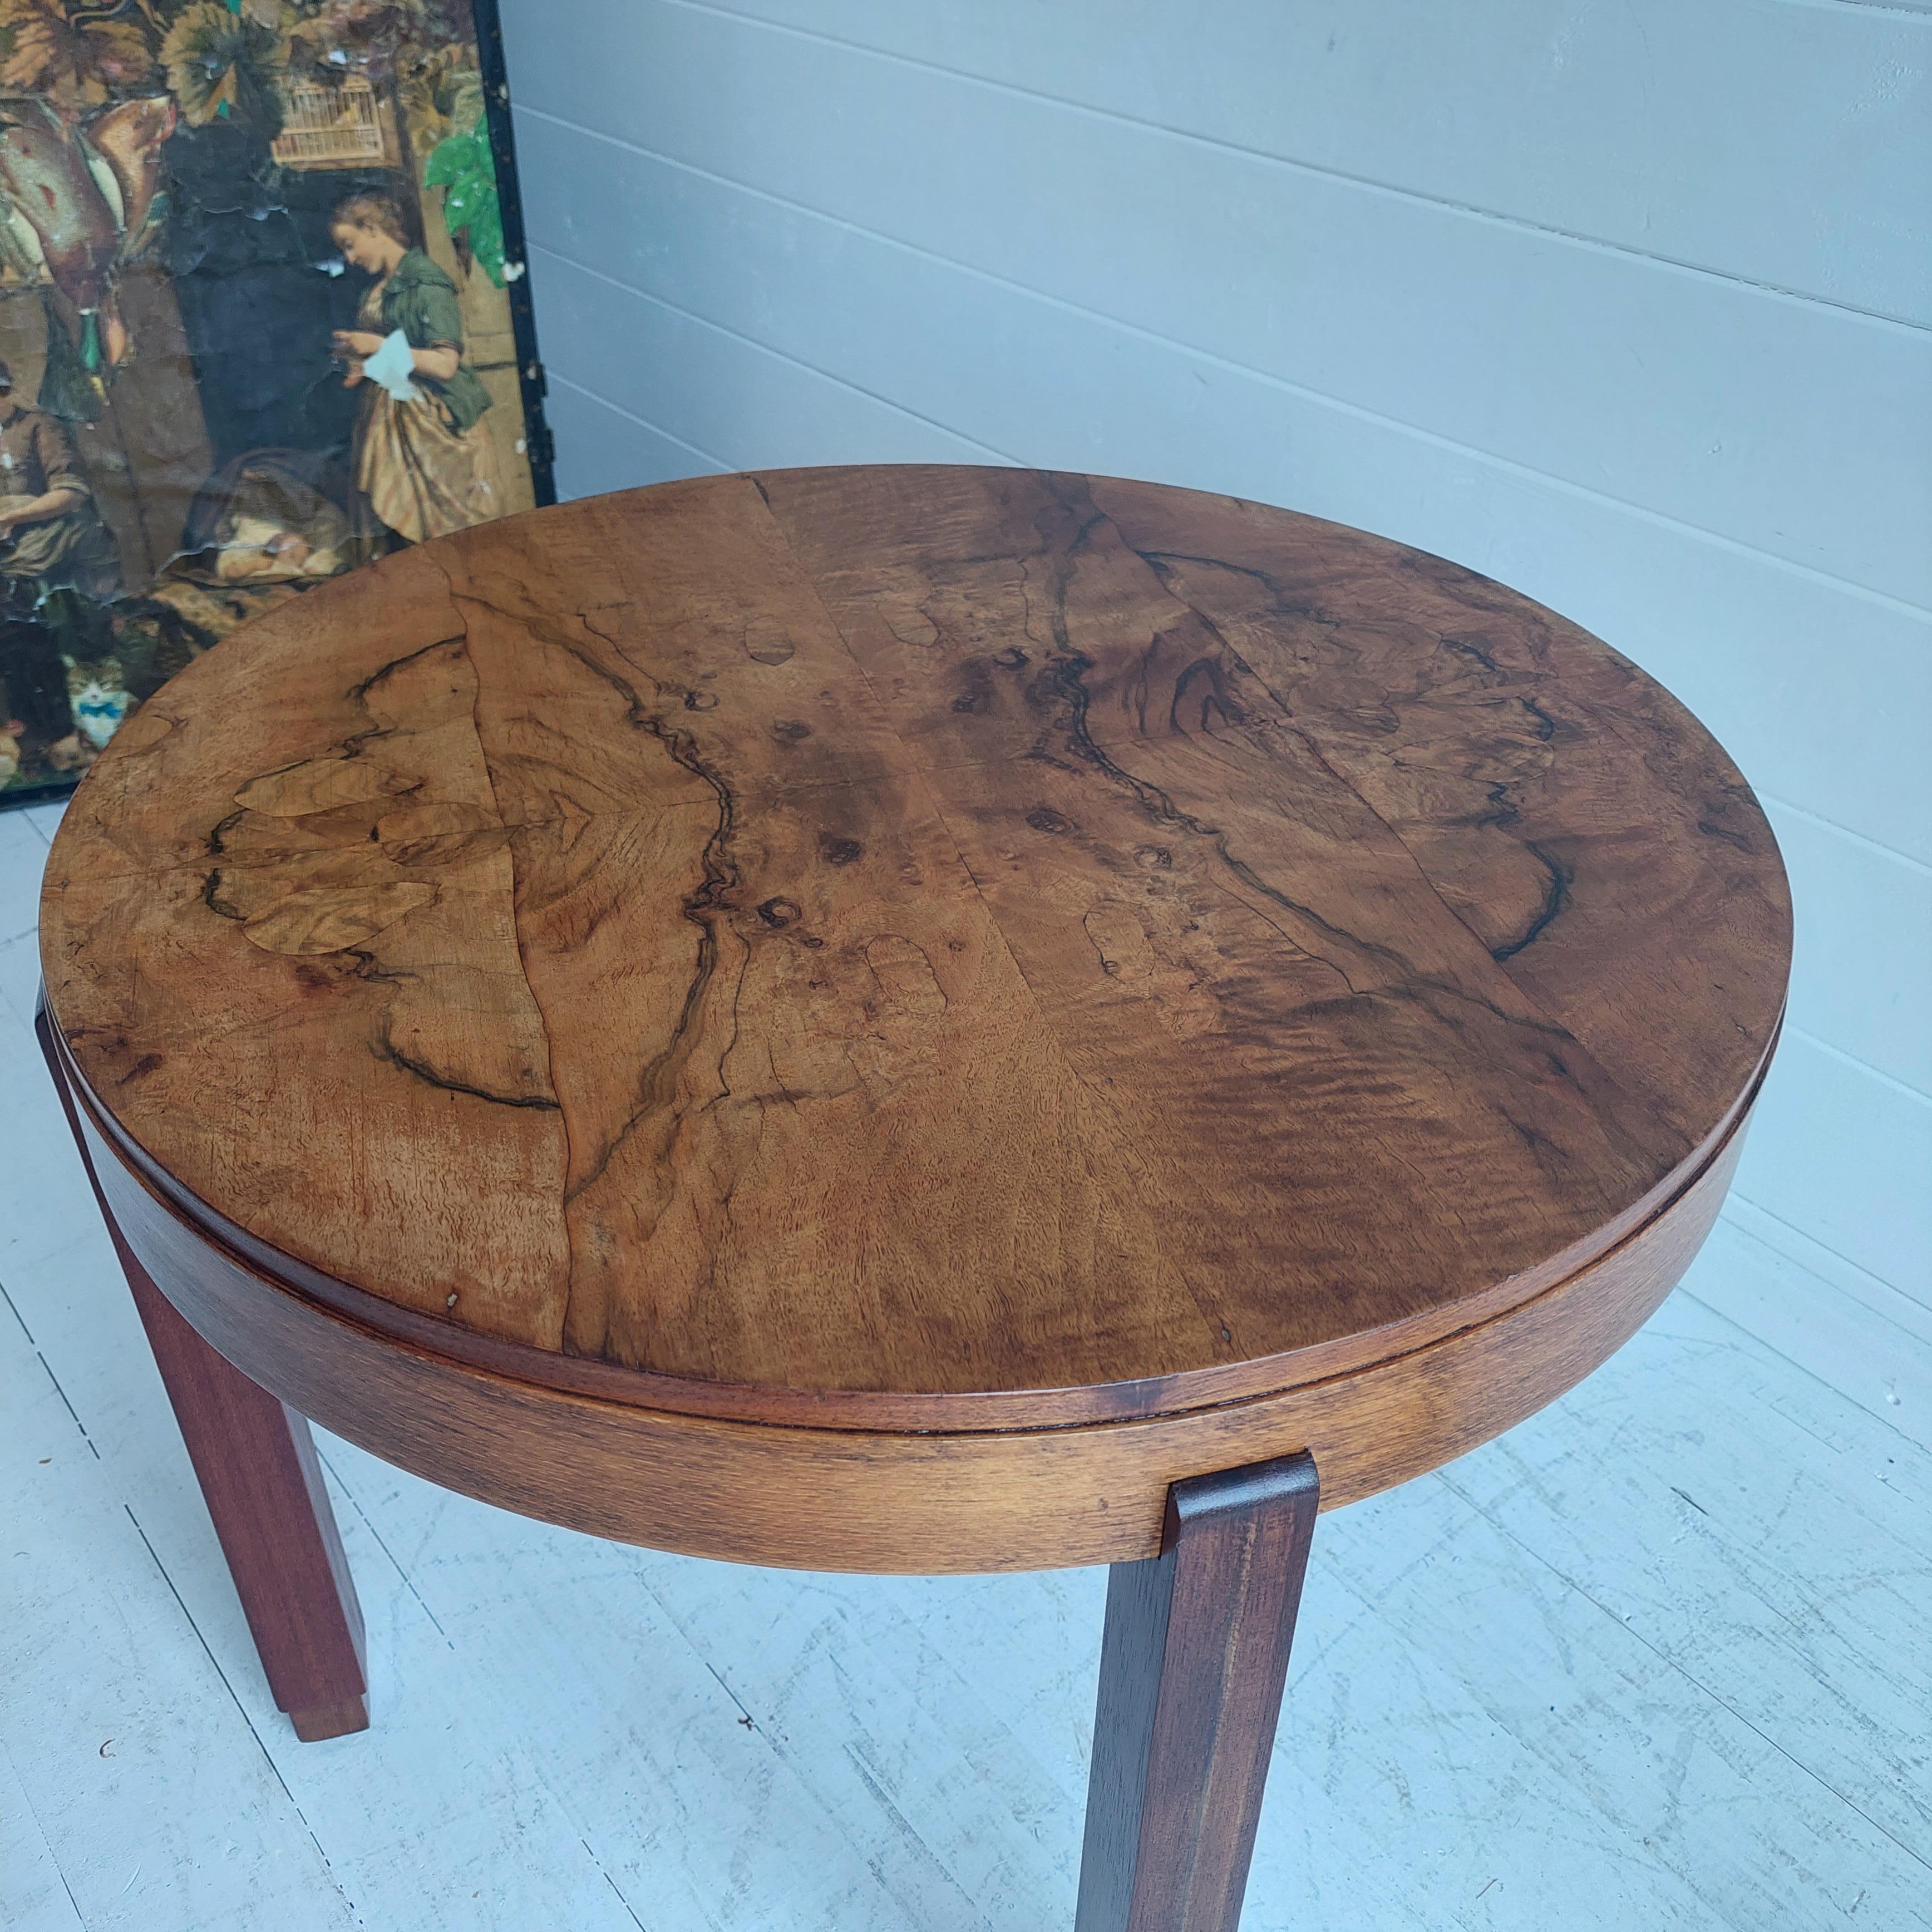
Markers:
<point>934,949</point>
<point>1191,1669</point>
<point>918,1502</point>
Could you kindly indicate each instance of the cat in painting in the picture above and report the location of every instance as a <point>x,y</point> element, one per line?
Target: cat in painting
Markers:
<point>99,698</point>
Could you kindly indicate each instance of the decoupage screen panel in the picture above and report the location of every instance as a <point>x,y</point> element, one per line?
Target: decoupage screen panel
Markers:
<point>263,318</point>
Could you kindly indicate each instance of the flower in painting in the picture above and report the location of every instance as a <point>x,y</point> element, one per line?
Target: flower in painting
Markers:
<point>220,63</point>
<point>76,58</point>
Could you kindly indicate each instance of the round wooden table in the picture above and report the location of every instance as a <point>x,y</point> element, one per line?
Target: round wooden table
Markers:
<point>907,1019</point>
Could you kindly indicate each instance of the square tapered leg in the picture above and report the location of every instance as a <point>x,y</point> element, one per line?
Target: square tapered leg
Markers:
<point>1193,1666</point>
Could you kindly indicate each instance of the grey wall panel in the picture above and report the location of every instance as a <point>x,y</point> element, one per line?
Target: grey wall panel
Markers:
<point>1783,141</point>
<point>1734,409</point>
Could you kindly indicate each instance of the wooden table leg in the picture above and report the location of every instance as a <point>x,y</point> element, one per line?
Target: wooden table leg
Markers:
<point>1192,1668</point>
<point>256,1463</point>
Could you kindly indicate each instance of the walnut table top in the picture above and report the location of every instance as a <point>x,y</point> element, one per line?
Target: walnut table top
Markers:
<point>941,1001</point>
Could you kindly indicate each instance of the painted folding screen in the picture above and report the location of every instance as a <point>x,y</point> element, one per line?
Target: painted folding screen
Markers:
<point>263,318</point>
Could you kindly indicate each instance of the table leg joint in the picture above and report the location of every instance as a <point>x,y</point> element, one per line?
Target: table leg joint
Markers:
<point>1193,1666</point>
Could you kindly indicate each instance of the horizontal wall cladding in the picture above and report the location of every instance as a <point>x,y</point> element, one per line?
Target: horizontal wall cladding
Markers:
<point>722,393</point>
<point>1735,410</point>
<point>1751,646</point>
<point>1844,1155</point>
<point>599,449</point>
<point>1861,965</point>
<point>1787,144</point>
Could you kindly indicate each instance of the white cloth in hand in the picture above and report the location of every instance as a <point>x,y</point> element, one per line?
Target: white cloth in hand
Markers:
<point>392,365</point>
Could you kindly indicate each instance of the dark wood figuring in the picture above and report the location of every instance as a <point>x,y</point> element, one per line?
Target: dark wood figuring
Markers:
<point>1232,945</point>
<point>1193,1666</point>
<point>256,1461</point>
<point>953,969</point>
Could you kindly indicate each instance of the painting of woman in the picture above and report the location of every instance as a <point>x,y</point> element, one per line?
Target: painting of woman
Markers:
<point>423,462</point>
<point>179,450</point>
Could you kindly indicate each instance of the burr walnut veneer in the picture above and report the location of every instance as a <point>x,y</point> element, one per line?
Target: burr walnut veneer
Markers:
<point>910,1019</point>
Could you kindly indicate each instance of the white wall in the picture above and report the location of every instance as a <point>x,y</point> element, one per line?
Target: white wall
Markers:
<point>1627,303</point>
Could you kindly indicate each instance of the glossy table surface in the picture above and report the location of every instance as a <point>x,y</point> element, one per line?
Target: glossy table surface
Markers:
<point>914,950</point>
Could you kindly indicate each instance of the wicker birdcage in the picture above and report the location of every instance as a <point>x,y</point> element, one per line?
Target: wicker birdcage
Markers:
<point>335,127</point>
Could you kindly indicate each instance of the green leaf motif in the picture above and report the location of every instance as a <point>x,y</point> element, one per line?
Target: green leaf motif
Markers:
<point>463,166</point>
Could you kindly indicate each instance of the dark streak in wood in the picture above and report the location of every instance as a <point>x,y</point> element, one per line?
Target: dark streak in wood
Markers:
<point>1554,899</point>
<point>390,1054</point>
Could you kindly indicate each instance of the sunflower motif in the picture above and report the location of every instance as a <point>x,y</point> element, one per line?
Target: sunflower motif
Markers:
<point>75,58</point>
<point>221,64</point>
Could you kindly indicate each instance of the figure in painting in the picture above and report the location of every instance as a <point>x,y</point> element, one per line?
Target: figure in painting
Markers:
<point>422,459</point>
<point>50,533</point>
<point>211,211</point>
<point>59,567</point>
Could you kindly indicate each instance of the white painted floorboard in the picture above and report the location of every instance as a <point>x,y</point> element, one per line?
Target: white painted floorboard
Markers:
<point>1660,1658</point>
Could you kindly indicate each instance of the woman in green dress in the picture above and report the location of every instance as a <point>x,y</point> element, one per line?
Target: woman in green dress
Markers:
<point>424,459</point>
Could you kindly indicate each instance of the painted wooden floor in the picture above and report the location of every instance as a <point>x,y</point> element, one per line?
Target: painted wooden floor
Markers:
<point>1660,1658</point>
